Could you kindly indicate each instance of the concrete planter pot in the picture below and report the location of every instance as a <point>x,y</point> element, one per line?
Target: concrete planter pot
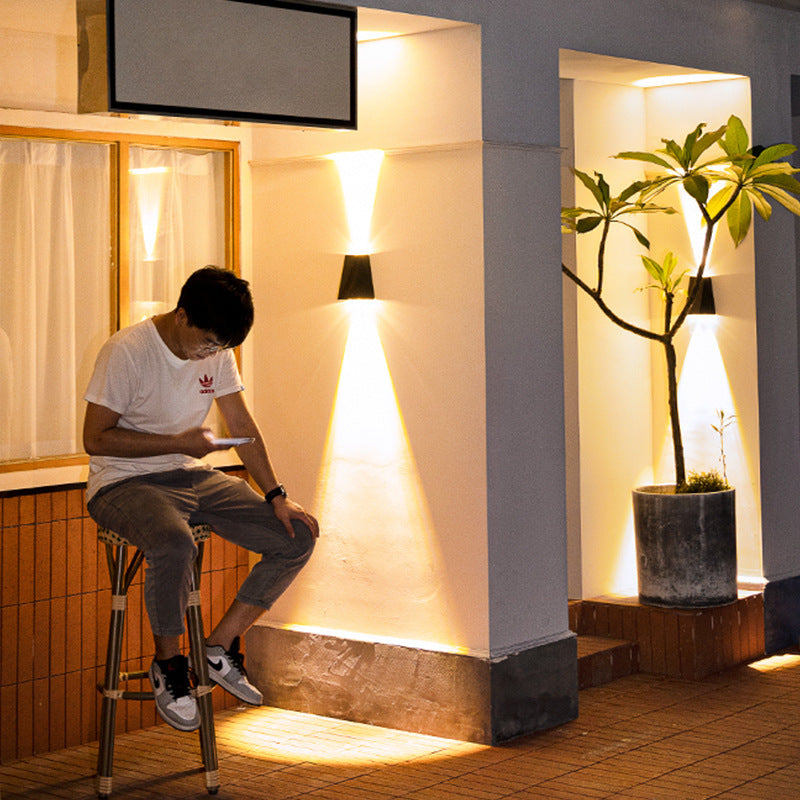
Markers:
<point>685,547</point>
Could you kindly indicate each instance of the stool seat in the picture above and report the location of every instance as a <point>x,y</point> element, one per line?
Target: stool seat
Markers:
<point>200,533</point>
<point>122,572</point>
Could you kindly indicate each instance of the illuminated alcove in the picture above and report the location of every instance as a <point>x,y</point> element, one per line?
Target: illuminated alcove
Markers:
<point>617,428</point>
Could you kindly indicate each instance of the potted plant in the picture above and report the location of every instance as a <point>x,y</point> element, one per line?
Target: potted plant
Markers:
<point>685,532</point>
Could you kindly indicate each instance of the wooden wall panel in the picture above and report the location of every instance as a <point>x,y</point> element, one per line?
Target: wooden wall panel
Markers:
<point>54,608</point>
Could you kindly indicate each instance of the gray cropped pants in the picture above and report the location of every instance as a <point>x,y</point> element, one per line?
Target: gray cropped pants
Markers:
<point>154,512</point>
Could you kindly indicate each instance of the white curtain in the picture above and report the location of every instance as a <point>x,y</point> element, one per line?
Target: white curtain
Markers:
<point>177,223</point>
<point>54,290</point>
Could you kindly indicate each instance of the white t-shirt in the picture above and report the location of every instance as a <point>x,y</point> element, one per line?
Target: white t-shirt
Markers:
<point>154,391</point>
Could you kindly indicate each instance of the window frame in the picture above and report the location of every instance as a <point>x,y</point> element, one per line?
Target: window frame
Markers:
<point>119,227</point>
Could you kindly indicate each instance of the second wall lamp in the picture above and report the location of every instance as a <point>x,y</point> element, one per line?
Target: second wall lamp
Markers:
<point>704,302</point>
<point>356,282</point>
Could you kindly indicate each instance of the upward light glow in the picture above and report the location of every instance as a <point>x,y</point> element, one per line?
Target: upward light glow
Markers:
<point>704,388</point>
<point>359,171</point>
<point>695,225</point>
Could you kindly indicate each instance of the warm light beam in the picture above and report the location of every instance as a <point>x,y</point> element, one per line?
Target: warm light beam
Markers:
<point>359,171</point>
<point>380,550</point>
<point>696,227</point>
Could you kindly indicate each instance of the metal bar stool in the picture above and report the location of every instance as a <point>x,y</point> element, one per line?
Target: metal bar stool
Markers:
<point>122,574</point>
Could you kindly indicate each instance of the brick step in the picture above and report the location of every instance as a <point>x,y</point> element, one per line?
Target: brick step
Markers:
<point>602,660</point>
<point>681,643</point>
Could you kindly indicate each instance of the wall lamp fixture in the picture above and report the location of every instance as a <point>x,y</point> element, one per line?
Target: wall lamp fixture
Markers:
<point>704,302</point>
<point>358,172</point>
<point>356,282</point>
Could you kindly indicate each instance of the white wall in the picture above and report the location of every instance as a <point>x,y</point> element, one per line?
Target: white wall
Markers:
<point>403,546</point>
<point>403,554</point>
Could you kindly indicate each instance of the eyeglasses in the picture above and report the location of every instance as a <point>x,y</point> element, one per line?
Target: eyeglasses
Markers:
<point>211,346</point>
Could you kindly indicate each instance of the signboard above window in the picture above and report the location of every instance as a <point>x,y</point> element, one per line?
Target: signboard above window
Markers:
<point>250,60</point>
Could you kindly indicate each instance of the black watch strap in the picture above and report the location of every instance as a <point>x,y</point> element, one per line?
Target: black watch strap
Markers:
<point>278,491</point>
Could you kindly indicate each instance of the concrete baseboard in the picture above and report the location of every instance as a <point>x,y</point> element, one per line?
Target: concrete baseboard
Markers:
<point>437,693</point>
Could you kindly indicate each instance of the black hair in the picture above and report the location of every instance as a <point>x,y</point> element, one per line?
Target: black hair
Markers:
<point>218,301</point>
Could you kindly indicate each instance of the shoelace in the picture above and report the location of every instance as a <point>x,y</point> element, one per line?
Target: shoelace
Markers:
<point>237,658</point>
<point>178,678</point>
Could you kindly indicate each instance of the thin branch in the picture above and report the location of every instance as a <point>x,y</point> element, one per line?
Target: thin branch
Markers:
<point>594,294</point>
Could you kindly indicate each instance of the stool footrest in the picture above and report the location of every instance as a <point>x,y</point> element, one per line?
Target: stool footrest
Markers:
<point>124,694</point>
<point>133,676</point>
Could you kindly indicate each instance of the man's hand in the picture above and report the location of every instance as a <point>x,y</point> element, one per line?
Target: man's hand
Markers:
<point>286,510</point>
<point>197,442</point>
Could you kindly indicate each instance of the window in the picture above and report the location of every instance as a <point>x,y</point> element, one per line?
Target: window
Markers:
<point>95,233</point>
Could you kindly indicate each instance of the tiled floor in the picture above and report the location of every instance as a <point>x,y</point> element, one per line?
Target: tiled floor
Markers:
<point>734,736</point>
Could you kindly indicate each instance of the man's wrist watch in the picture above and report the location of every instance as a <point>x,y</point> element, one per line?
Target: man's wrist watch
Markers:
<point>278,491</point>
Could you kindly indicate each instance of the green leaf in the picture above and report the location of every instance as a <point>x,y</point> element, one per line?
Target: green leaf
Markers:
<point>736,139</point>
<point>774,168</point>
<point>784,198</point>
<point>633,189</point>
<point>677,281</point>
<point>653,268</point>
<point>705,141</point>
<point>719,200</point>
<point>781,180</point>
<point>689,143</point>
<point>587,224</point>
<point>739,217</point>
<point>670,262</point>
<point>761,205</point>
<point>697,187</point>
<point>652,158</point>
<point>641,238</point>
<point>590,184</point>
<point>604,188</point>
<point>773,153</point>
<point>671,148</point>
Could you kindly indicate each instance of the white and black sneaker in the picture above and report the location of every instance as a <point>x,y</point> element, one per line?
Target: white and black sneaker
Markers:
<point>226,667</point>
<point>172,687</point>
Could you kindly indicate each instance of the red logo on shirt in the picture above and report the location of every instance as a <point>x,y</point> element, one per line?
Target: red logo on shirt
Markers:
<point>207,384</point>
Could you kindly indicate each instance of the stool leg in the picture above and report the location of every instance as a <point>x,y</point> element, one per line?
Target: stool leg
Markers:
<point>111,693</point>
<point>197,646</point>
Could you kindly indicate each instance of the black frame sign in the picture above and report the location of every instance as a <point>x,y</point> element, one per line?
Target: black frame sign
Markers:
<point>256,60</point>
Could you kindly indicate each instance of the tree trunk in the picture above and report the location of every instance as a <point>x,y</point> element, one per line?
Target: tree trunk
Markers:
<point>675,423</point>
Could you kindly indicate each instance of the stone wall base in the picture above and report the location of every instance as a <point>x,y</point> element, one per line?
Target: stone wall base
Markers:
<point>437,693</point>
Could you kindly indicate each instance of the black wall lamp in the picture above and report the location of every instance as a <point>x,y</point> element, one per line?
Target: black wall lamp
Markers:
<point>704,302</point>
<point>356,282</point>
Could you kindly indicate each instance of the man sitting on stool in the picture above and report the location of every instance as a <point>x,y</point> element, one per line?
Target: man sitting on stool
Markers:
<point>151,390</point>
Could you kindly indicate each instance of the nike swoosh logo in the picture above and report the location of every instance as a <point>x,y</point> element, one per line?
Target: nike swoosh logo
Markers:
<point>156,682</point>
<point>217,665</point>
